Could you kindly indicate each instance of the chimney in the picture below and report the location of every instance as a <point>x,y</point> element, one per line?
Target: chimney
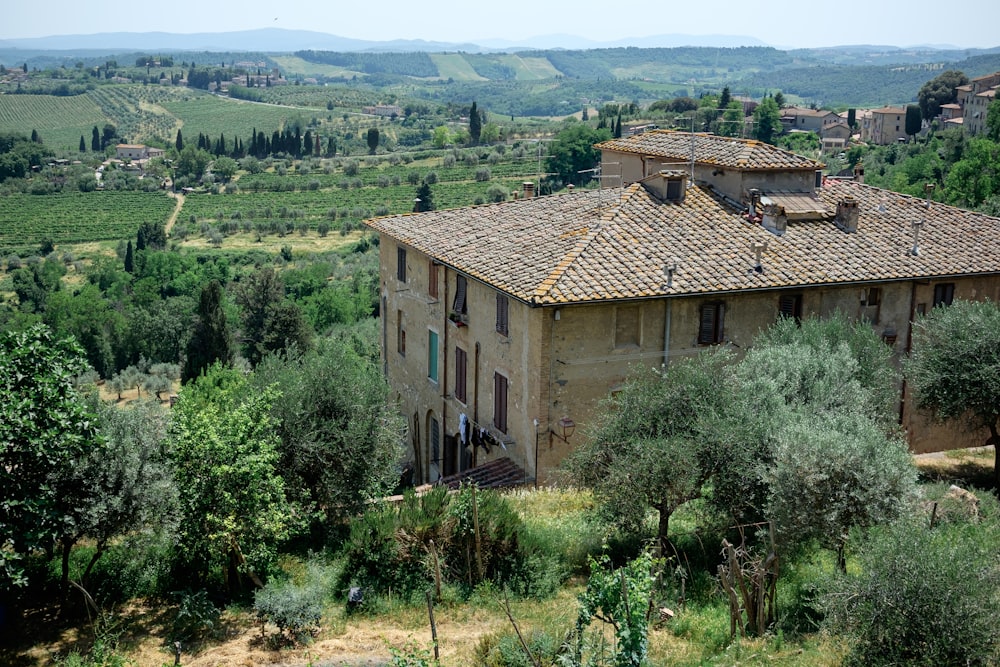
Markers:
<point>775,220</point>
<point>754,200</point>
<point>529,189</point>
<point>859,173</point>
<point>847,214</point>
<point>668,185</point>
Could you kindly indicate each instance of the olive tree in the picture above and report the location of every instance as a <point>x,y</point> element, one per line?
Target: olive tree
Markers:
<point>954,369</point>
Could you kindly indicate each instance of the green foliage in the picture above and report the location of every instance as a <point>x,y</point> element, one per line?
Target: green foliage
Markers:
<point>233,505</point>
<point>210,342</point>
<point>938,91</point>
<point>572,151</point>
<point>767,120</point>
<point>46,429</point>
<point>271,323</point>
<point>619,597</point>
<point>196,617</point>
<point>504,649</point>
<point>954,369</point>
<point>292,608</point>
<point>411,654</point>
<point>921,596</point>
<point>338,449</point>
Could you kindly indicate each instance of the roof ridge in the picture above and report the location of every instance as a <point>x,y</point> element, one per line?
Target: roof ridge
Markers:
<point>545,287</point>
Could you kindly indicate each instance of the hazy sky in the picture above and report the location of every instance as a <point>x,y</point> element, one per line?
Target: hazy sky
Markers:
<point>817,24</point>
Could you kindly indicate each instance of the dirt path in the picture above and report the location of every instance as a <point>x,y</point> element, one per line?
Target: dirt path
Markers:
<point>177,209</point>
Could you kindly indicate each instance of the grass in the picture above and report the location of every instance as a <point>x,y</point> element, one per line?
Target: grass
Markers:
<point>530,69</point>
<point>454,66</point>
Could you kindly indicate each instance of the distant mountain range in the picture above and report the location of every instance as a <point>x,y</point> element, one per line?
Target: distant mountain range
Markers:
<point>279,40</point>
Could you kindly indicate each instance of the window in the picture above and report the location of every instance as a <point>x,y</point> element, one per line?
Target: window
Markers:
<point>400,334</point>
<point>790,305</point>
<point>500,402</point>
<point>401,264</point>
<point>871,301</point>
<point>461,361</point>
<point>710,323</point>
<point>459,305</point>
<point>432,355</point>
<point>502,312</point>
<point>627,320</point>
<point>432,279</point>
<point>943,294</point>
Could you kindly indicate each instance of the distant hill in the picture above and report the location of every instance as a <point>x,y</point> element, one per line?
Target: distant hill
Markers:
<point>280,40</point>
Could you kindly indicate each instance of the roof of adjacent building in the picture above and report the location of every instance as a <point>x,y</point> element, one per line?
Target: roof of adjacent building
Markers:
<point>889,110</point>
<point>614,244</point>
<point>744,154</point>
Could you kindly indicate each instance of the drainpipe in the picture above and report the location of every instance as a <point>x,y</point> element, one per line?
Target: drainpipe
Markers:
<point>909,340</point>
<point>666,331</point>
<point>475,403</point>
<point>444,379</point>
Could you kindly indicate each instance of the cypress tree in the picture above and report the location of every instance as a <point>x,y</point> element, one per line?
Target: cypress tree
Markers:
<point>179,142</point>
<point>210,341</point>
<point>475,124</point>
<point>129,259</point>
<point>95,140</point>
<point>83,145</point>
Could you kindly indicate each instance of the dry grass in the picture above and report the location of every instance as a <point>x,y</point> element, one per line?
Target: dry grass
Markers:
<point>308,244</point>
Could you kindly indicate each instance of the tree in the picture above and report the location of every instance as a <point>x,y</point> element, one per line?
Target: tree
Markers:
<point>572,152</point>
<point>122,486</point>
<point>656,444</point>
<point>129,258</point>
<point>225,452</point>
<point>912,125</point>
<point>976,177</point>
<point>225,168</point>
<point>993,121</point>
<point>425,198</point>
<point>270,322</point>
<point>767,120</point>
<point>83,145</point>
<point>211,341</point>
<point>95,140</point>
<point>179,141</point>
<point>938,91</point>
<point>338,450</point>
<point>193,161</point>
<point>372,140</point>
<point>725,98</point>
<point>153,235</point>
<point>852,117</point>
<point>779,100</point>
<point>731,123</point>
<point>475,124</point>
<point>45,428</point>
<point>954,369</point>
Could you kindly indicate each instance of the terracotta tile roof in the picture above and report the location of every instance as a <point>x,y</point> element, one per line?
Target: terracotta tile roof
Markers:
<point>890,110</point>
<point>745,154</point>
<point>497,474</point>
<point>613,244</point>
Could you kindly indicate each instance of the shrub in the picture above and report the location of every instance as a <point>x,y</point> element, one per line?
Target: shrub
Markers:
<point>483,174</point>
<point>431,178</point>
<point>292,608</point>
<point>196,616</point>
<point>921,596</point>
<point>503,649</point>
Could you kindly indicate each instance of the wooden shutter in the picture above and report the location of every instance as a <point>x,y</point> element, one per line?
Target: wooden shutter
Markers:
<point>460,374</point>
<point>790,305</point>
<point>401,264</point>
<point>503,307</point>
<point>460,287</point>
<point>500,402</point>
<point>432,279</point>
<point>710,323</point>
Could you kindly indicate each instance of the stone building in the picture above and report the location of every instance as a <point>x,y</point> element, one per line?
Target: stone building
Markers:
<point>504,326</point>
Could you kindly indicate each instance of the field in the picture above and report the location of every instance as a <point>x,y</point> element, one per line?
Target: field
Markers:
<point>59,120</point>
<point>530,69</point>
<point>454,66</point>
<point>75,217</point>
<point>214,115</point>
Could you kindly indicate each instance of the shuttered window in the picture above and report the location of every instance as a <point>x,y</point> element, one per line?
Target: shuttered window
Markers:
<point>400,334</point>
<point>502,314</point>
<point>943,294</point>
<point>871,302</point>
<point>401,264</point>
<point>432,279</point>
<point>460,288</point>
<point>461,361</point>
<point>790,305</point>
<point>710,323</point>
<point>627,326</point>
<point>500,402</point>
<point>432,355</point>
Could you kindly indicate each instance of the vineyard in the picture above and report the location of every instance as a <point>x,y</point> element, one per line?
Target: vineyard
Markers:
<point>213,115</point>
<point>76,217</point>
<point>60,121</point>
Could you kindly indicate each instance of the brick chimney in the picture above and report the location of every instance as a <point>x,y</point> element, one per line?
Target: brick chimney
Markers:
<point>774,219</point>
<point>859,173</point>
<point>847,214</point>
<point>529,189</point>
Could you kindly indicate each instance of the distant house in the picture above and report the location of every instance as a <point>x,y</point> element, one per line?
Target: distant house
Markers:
<point>884,126</point>
<point>835,136</point>
<point>975,98</point>
<point>384,110</point>
<point>131,152</point>
<point>806,120</point>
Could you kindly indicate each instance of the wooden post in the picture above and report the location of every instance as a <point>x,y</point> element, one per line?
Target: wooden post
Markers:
<point>434,631</point>
<point>437,571</point>
<point>475,525</point>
